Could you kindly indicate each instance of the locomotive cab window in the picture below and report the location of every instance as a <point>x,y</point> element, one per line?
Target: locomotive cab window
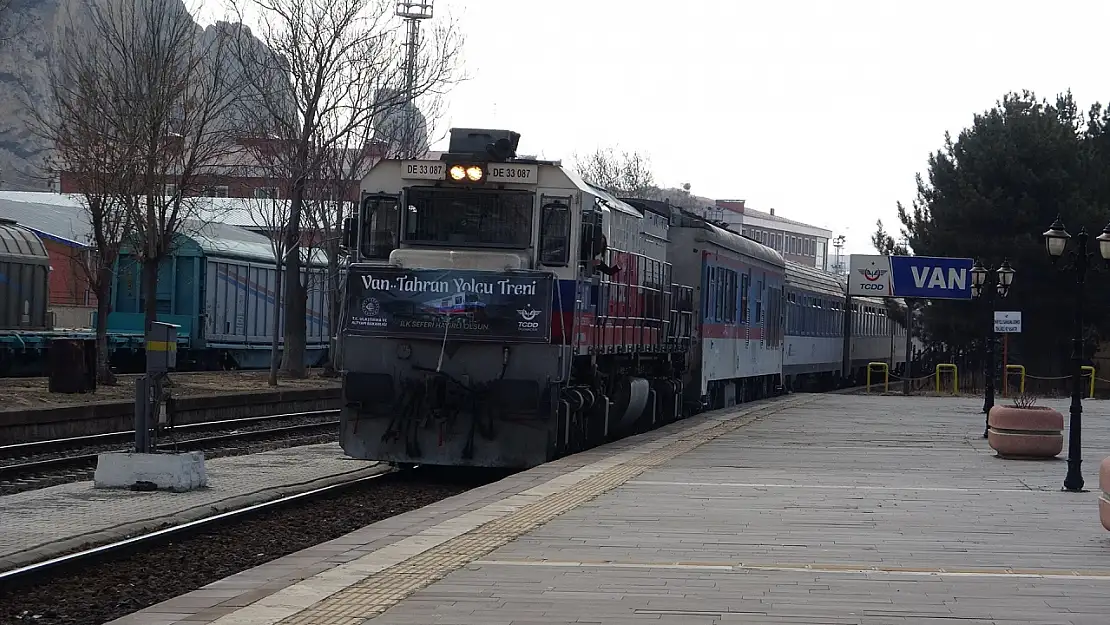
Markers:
<point>468,217</point>
<point>381,224</point>
<point>554,231</point>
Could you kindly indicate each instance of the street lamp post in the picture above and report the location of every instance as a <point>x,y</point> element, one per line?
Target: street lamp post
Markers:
<point>1056,241</point>
<point>986,285</point>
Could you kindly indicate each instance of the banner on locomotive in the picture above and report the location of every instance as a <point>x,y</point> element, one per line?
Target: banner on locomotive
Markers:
<point>463,304</point>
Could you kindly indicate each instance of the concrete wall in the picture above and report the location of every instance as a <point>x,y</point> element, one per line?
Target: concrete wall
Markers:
<point>72,317</point>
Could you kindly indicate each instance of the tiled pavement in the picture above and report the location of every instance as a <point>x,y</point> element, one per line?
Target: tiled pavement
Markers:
<point>845,509</point>
<point>38,524</point>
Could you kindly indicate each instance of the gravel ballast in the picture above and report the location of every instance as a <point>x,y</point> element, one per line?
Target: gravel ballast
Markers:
<point>103,591</point>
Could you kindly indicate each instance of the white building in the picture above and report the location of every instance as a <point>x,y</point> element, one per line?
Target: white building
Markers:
<point>796,241</point>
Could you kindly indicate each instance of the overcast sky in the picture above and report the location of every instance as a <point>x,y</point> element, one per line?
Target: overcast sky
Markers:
<point>822,110</point>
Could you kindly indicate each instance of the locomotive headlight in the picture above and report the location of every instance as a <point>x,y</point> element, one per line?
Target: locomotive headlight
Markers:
<point>465,173</point>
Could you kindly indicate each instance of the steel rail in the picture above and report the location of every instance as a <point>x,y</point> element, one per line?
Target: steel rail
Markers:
<point>110,437</point>
<point>33,572</point>
<point>12,471</point>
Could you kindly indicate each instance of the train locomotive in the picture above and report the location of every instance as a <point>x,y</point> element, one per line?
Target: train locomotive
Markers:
<point>503,312</point>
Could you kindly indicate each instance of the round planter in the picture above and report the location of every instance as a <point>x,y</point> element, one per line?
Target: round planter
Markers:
<point>1026,433</point>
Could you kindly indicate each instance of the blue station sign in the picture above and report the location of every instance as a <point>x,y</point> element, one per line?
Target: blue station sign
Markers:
<point>926,277</point>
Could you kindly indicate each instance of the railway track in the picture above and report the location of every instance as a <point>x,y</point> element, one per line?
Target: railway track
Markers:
<point>45,463</point>
<point>107,581</point>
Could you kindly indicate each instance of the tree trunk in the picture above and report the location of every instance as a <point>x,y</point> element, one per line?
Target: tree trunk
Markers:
<point>150,267</point>
<point>275,352</point>
<point>296,328</point>
<point>150,292</point>
<point>104,373</point>
<point>296,306</point>
<point>335,304</point>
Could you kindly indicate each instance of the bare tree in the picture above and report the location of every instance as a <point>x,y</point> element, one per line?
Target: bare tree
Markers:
<point>342,169</point>
<point>627,174</point>
<point>167,93</point>
<point>335,197</point>
<point>270,214</point>
<point>326,70</point>
<point>86,146</point>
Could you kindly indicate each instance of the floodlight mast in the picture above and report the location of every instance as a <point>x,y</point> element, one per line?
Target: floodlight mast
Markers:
<point>412,11</point>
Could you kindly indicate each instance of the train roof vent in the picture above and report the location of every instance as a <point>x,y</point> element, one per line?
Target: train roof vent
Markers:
<point>497,144</point>
<point>19,243</point>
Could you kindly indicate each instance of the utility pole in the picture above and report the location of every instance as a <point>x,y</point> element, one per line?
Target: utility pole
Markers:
<point>412,11</point>
<point>838,243</point>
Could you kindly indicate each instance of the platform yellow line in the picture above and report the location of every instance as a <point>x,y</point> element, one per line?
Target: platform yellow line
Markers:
<point>848,568</point>
<point>380,591</point>
<point>863,487</point>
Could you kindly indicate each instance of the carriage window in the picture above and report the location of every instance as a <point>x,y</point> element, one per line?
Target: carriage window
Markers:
<point>555,231</point>
<point>759,302</point>
<point>380,221</point>
<point>722,294</point>
<point>745,283</point>
<point>730,297</point>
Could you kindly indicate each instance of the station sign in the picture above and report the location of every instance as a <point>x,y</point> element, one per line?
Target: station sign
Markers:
<point>1007,322</point>
<point>926,277</point>
<point>517,173</point>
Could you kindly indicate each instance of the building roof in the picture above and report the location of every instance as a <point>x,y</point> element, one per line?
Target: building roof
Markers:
<point>233,211</point>
<point>219,239</point>
<point>222,227</point>
<point>48,216</point>
<point>758,214</point>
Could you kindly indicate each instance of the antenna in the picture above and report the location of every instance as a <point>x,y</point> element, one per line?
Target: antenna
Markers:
<point>412,11</point>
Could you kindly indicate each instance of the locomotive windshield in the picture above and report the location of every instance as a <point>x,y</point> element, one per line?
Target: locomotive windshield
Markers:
<point>468,217</point>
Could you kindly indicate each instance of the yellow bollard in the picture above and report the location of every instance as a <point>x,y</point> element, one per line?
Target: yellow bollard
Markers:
<point>886,375</point>
<point>1006,378</point>
<point>1089,368</point>
<point>944,366</point>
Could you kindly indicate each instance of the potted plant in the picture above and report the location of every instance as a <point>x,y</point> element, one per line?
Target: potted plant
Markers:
<point>1024,430</point>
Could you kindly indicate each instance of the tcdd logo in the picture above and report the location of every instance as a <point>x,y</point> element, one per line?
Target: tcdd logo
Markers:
<point>872,276</point>
<point>528,314</point>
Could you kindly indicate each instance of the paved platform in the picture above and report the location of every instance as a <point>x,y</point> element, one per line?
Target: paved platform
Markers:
<point>814,509</point>
<point>39,524</point>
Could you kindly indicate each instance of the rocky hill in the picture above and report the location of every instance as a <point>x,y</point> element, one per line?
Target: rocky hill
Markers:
<point>28,28</point>
<point>27,34</point>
